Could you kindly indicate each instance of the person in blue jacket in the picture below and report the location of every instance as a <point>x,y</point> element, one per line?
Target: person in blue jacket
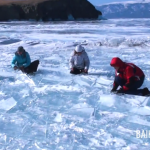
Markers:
<point>22,61</point>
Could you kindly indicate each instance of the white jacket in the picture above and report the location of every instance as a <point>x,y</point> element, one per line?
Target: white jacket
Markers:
<point>79,61</point>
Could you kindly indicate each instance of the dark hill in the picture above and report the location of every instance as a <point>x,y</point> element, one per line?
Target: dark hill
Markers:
<point>47,10</point>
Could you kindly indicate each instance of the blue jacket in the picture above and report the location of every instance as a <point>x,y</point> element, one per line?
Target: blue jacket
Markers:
<point>21,60</point>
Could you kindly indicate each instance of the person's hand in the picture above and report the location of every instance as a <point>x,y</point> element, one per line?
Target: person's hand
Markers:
<point>71,70</point>
<point>15,67</point>
<point>120,91</point>
<point>113,90</point>
<point>85,71</point>
<point>21,68</point>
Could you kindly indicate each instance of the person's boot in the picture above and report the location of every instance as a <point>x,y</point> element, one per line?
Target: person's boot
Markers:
<point>145,92</point>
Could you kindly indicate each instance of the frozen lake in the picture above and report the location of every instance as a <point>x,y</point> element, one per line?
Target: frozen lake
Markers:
<point>54,110</point>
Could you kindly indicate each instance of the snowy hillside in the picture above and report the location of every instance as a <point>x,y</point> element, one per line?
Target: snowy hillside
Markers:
<point>130,9</point>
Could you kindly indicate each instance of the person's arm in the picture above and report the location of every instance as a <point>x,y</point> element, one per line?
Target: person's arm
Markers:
<point>13,62</point>
<point>28,62</point>
<point>115,84</point>
<point>86,62</point>
<point>130,78</point>
<point>71,62</point>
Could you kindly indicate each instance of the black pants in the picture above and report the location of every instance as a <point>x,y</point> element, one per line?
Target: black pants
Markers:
<point>134,88</point>
<point>76,71</point>
<point>32,67</point>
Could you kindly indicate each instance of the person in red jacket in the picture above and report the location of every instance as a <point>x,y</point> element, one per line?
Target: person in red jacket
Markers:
<point>129,76</point>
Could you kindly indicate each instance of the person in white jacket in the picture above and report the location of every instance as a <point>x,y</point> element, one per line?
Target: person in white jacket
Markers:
<point>79,61</point>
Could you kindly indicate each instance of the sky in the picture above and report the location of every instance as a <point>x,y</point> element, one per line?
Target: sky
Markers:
<point>100,2</point>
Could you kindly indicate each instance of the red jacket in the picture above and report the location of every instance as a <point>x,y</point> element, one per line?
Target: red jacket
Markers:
<point>127,71</point>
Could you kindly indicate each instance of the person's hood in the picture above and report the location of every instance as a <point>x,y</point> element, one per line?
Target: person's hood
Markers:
<point>117,62</point>
<point>83,52</point>
<point>23,54</point>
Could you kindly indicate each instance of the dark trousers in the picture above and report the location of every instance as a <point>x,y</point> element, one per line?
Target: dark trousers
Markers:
<point>134,87</point>
<point>32,67</point>
<point>76,71</point>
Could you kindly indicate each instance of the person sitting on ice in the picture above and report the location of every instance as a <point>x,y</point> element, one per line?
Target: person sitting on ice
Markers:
<point>79,61</point>
<point>129,76</point>
<point>22,61</point>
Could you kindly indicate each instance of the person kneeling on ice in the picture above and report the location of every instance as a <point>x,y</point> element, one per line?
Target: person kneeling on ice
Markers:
<point>79,61</point>
<point>129,77</point>
<point>22,61</point>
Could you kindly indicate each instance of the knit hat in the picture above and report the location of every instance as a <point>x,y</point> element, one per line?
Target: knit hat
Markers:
<point>20,49</point>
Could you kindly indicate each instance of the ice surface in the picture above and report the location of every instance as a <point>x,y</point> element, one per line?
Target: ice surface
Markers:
<point>141,111</point>
<point>138,120</point>
<point>82,108</point>
<point>58,118</point>
<point>107,100</point>
<point>53,109</point>
<point>7,104</point>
